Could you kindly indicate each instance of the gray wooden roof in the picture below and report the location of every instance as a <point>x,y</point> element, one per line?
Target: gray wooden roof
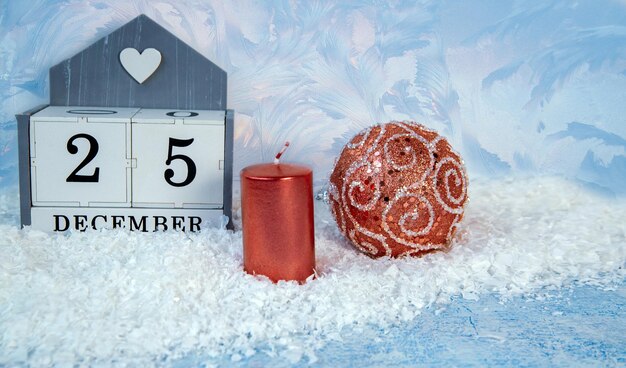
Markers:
<point>185,79</point>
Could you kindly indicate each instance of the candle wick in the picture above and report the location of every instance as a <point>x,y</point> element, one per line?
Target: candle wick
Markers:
<point>277,159</point>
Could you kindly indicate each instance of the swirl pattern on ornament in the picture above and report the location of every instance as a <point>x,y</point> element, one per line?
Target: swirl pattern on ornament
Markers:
<point>368,192</point>
<point>364,242</point>
<point>355,199</point>
<point>455,194</point>
<point>408,143</point>
<point>414,216</point>
<point>412,206</point>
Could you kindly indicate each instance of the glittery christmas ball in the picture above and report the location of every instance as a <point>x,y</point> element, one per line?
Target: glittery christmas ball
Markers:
<point>398,189</point>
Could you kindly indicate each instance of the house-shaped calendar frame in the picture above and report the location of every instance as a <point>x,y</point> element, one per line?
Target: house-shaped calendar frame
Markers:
<point>182,82</point>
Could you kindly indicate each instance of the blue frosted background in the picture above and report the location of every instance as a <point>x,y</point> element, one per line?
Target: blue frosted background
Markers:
<point>519,87</point>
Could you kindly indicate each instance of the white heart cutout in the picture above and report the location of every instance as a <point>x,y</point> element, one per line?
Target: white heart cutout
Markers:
<point>140,66</point>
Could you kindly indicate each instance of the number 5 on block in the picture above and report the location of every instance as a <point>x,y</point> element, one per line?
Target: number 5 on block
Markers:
<point>80,156</point>
<point>179,157</point>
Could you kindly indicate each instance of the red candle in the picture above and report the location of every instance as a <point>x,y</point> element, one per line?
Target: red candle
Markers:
<point>277,216</point>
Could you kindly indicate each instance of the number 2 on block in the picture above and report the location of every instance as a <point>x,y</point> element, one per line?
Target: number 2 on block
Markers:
<point>191,166</point>
<point>93,151</point>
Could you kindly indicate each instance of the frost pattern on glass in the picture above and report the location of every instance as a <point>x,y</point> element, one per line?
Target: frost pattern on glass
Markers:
<point>516,87</point>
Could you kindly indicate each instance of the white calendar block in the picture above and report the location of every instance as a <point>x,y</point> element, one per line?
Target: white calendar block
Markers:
<point>179,157</point>
<point>80,156</point>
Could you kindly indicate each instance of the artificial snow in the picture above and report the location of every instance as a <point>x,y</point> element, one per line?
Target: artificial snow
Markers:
<point>114,297</point>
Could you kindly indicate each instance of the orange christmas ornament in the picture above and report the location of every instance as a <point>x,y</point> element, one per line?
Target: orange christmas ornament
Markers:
<point>398,189</point>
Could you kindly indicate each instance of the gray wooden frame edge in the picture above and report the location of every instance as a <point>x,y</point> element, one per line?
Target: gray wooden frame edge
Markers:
<point>228,167</point>
<point>23,144</point>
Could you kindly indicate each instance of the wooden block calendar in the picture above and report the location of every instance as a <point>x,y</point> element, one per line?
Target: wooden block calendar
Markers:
<point>137,136</point>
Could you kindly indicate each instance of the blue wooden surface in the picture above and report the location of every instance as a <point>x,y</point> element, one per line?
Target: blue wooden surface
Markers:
<point>582,326</point>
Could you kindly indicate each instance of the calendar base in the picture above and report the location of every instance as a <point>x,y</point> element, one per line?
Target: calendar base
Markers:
<point>62,219</point>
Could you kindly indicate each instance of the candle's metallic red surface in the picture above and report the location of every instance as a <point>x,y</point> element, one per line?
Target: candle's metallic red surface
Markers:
<point>277,216</point>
